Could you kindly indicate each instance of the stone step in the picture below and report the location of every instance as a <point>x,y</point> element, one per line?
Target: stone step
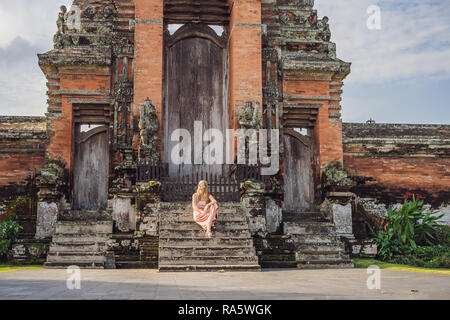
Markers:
<point>326,264</point>
<point>188,217</point>
<point>77,239</point>
<point>199,233</point>
<point>201,241</point>
<point>278,257</point>
<point>219,223</point>
<point>320,246</point>
<point>81,265</point>
<point>209,268</point>
<point>86,216</point>
<point>316,238</point>
<point>278,264</point>
<point>84,227</point>
<point>198,261</point>
<point>319,256</point>
<point>295,228</point>
<point>189,203</point>
<point>77,248</point>
<point>188,211</point>
<point>76,258</point>
<point>192,226</point>
<point>304,216</point>
<point>167,251</point>
<point>126,257</point>
<point>136,265</point>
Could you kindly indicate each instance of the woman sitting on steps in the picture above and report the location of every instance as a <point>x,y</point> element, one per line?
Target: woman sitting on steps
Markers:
<point>205,208</point>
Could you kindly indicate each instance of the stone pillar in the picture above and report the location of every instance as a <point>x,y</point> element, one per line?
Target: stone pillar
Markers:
<point>338,207</point>
<point>253,203</point>
<point>273,215</point>
<point>245,56</point>
<point>148,71</point>
<point>51,201</point>
<point>123,211</point>
<point>147,208</point>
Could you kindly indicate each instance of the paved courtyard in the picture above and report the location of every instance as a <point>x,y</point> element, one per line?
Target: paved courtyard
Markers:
<point>269,284</point>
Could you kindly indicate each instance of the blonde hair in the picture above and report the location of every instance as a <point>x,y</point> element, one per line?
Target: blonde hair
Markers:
<point>202,196</point>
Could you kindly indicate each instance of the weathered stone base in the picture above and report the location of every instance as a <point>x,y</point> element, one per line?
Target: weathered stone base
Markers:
<point>81,243</point>
<point>131,252</point>
<point>30,251</point>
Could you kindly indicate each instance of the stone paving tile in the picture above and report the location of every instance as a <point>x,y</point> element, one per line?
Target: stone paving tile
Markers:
<point>269,284</point>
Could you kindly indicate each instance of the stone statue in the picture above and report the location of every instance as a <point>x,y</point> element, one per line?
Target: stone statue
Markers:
<point>148,126</point>
<point>249,117</point>
<point>326,33</point>
<point>62,20</point>
<point>306,3</point>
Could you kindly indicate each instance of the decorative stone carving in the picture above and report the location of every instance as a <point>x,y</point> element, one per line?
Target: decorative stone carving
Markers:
<point>62,20</point>
<point>90,12</point>
<point>98,34</point>
<point>336,178</point>
<point>301,19</point>
<point>270,54</point>
<point>148,126</point>
<point>249,117</point>
<point>107,12</point>
<point>121,45</point>
<point>326,33</point>
<point>308,4</point>
<point>51,180</point>
<point>284,18</point>
<point>123,91</point>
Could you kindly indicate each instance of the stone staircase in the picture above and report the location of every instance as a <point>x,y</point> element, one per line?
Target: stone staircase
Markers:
<point>317,244</point>
<point>145,256</point>
<point>80,239</point>
<point>183,246</point>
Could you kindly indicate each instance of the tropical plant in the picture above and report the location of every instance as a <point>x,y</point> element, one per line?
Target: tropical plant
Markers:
<point>404,229</point>
<point>9,231</point>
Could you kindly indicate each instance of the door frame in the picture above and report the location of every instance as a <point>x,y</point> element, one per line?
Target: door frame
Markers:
<point>104,127</point>
<point>307,141</point>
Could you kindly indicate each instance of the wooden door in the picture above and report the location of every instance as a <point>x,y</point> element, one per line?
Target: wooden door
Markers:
<point>195,89</point>
<point>298,172</point>
<point>90,171</point>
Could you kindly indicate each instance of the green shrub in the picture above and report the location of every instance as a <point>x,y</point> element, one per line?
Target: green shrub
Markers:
<point>409,235</point>
<point>9,231</point>
<point>426,256</point>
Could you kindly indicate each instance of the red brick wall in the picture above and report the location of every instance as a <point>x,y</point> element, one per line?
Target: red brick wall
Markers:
<point>73,82</point>
<point>148,70</point>
<point>22,148</point>
<point>327,133</point>
<point>390,159</point>
<point>245,50</point>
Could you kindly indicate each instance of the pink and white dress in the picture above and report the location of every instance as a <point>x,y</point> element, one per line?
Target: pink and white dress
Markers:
<point>203,219</point>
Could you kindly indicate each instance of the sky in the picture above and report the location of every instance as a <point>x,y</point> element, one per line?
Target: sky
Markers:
<point>400,72</point>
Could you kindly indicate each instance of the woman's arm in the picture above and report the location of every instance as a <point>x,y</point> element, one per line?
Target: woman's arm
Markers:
<point>194,202</point>
<point>212,200</point>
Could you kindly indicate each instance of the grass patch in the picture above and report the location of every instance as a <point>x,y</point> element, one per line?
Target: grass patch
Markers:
<point>365,263</point>
<point>8,268</point>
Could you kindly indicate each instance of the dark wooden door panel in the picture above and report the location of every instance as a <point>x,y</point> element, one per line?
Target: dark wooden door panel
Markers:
<point>196,89</point>
<point>299,186</point>
<point>90,173</point>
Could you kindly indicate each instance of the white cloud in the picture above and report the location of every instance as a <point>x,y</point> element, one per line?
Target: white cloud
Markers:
<point>26,28</point>
<point>414,41</point>
<point>413,45</point>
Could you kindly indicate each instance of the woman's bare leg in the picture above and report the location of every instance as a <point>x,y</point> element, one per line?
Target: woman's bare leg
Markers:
<point>208,229</point>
